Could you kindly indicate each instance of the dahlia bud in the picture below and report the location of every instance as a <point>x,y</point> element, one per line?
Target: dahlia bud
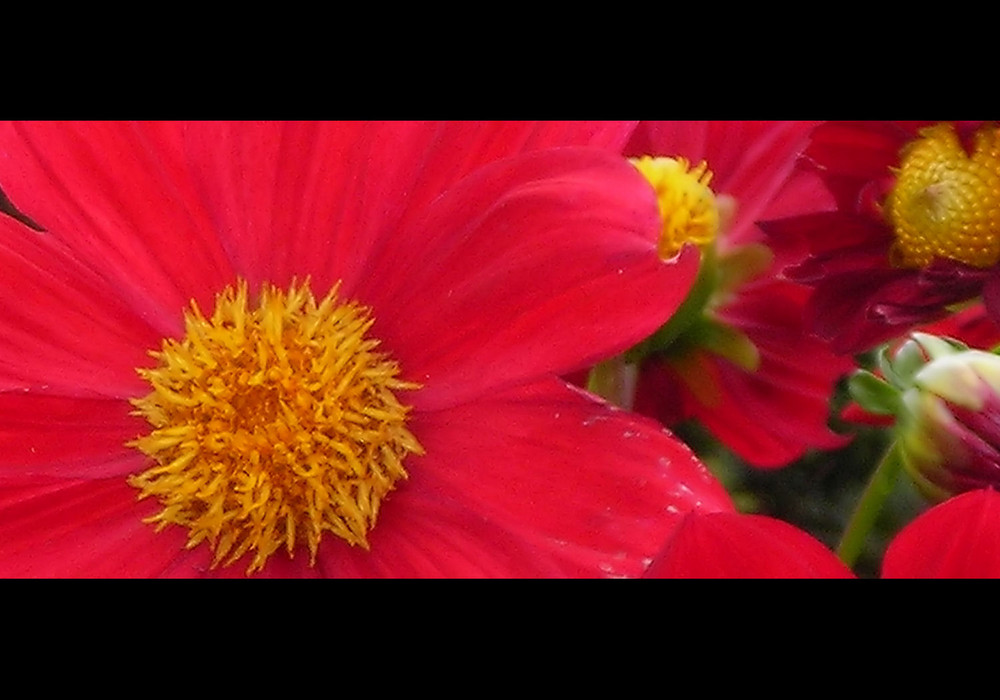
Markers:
<point>949,425</point>
<point>943,400</point>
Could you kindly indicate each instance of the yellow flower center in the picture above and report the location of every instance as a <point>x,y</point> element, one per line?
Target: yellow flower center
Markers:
<point>946,202</point>
<point>273,424</point>
<point>687,205</point>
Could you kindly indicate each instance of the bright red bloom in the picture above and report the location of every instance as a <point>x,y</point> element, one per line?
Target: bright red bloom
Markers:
<point>731,545</point>
<point>773,413</point>
<point>959,538</point>
<point>915,229</point>
<point>485,278</point>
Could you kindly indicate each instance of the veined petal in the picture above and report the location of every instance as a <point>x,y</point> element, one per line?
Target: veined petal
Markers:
<point>958,539</point>
<point>732,545</point>
<point>81,529</point>
<point>332,193</point>
<point>65,329</point>
<point>562,239</point>
<point>116,195</point>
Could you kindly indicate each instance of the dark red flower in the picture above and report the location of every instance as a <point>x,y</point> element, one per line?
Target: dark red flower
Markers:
<point>477,278</point>
<point>915,229</point>
<point>744,366</point>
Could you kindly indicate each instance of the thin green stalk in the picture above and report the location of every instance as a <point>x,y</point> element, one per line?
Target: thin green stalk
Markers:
<point>881,484</point>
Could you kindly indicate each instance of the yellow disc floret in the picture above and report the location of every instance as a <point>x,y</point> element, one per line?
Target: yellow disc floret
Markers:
<point>946,201</point>
<point>272,424</point>
<point>687,205</point>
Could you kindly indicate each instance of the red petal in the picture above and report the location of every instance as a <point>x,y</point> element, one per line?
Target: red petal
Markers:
<point>81,529</point>
<point>562,239</point>
<point>65,329</point>
<point>774,415</point>
<point>117,195</point>
<point>730,545</point>
<point>853,413</point>
<point>67,438</point>
<point>972,326</point>
<point>958,539</point>
<point>301,199</point>
<point>424,534</point>
<point>770,416</point>
<point>583,488</point>
<point>863,150</point>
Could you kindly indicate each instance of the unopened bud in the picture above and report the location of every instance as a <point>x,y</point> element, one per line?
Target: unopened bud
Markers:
<point>949,422</point>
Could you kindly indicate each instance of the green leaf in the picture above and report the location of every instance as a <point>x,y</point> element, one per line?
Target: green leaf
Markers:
<point>874,394</point>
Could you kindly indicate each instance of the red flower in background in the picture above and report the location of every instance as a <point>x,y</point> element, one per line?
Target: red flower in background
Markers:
<point>746,368</point>
<point>959,538</point>
<point>915,230</point>
<point>476,280</point>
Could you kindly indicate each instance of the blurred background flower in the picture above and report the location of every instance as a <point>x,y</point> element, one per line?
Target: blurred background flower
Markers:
<point>736,358</point>
<point>915,229</point>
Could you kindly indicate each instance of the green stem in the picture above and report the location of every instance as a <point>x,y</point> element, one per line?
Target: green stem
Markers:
<point>615,381</point>
<point>872,500</point>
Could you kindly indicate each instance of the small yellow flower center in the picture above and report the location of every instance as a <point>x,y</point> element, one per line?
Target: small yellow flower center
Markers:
<point>687,205</point>
<point>946,202</point>
<point>273,424</point>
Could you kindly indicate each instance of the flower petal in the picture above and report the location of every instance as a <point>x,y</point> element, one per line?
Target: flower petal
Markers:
<point>732,545</point>
<point>586,488</point>
<point>958,539</point>
<point>66,329</point>
<point>117,196</point>
<point>331,192</point>
<point>770,416</point>
<point>863,150</point>
<point>428,535</point>
<point>81,529</point>
<point>68,438</point>
<point>562,239</point>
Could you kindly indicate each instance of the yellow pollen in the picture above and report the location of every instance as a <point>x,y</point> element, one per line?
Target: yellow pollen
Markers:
<point>946,202</point>
<point>272,425</point>
<point>687,205</point>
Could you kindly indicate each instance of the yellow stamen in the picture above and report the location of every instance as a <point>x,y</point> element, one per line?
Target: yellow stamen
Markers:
<point>946,202</point>
<point>688,206</point>
<point>273,424</point>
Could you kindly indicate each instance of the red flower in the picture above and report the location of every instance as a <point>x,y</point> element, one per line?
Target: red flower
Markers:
<point>423,422</point>
<point>959,538</point>
<point>915,229</point>
<point>731,545</point>
<point>746,369</point>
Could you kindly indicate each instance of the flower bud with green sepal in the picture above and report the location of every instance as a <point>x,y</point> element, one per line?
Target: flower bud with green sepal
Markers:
<point>946,400</point>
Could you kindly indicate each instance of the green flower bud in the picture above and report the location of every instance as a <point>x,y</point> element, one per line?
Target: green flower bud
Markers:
<point>948,425</point>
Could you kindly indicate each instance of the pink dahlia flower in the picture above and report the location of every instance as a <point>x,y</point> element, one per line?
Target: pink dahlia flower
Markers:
<point>329,350</point>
